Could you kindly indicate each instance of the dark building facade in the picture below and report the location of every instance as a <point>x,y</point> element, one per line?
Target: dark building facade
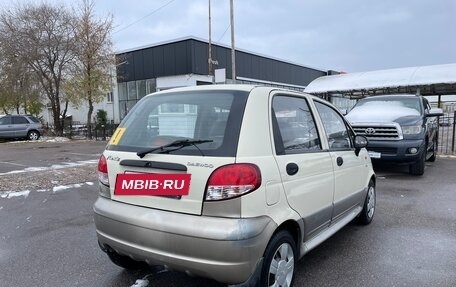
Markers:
<point>172,64</point>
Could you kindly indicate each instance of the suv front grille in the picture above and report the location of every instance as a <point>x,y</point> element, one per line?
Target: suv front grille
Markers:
<point>379,132</point>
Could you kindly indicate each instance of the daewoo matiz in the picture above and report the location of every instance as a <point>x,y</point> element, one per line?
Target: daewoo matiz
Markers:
<point>230,182</point>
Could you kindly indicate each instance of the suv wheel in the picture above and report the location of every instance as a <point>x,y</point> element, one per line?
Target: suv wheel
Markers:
<point>33,135</point>
<point>367,214</point>
<point>417,168</point>
<point>124,261</point>
<point>279,261</point>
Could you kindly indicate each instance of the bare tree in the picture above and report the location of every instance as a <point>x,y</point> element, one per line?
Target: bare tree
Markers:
<point>92,72</point>
<point>43,37</point>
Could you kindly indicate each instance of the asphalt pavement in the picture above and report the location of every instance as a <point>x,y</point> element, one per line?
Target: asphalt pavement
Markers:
<point>47,237</point>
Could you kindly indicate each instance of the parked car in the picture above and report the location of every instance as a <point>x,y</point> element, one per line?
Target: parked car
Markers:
<point>400,129</point>
<point>20,126</point>
<point>235,184</point>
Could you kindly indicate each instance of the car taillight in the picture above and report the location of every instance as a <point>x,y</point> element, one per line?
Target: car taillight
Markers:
<point>232,180</point>
<point>103,170</point>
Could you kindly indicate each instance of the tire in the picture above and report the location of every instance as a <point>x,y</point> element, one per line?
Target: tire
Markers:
<point>417,168</point>
<point>279,263</point>
<point>33,135</point>
<point>125,261</point>
<point>368,212</point>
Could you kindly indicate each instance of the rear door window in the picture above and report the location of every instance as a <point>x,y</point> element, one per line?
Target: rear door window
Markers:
<point>294,126</point>
<point>163,118</point>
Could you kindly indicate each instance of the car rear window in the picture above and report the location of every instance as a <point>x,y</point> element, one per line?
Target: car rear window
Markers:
<point>160,119</point>
<point>33,119</point>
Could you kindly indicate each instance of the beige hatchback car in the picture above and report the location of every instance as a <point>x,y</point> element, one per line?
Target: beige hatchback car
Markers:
<point>230,182</point>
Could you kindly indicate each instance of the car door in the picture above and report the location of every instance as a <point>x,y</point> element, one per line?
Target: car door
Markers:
<point>6,127</point>
<point>20,126</point>
<point>350,170</point>
<point>305,168</point>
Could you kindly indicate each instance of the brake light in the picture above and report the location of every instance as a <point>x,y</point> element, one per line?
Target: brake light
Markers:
<point>233,180</point>
<point>103,170</point>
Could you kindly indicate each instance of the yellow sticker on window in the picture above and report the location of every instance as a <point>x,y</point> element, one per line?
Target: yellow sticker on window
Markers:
<point>117,136</point>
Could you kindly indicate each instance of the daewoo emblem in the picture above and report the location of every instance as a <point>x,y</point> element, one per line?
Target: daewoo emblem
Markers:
<point>370,131</point>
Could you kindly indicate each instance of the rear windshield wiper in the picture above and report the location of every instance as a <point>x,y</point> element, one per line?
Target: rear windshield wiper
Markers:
<point>178,143</point>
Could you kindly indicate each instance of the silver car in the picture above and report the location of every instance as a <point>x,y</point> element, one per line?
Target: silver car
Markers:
<point>20,126</point>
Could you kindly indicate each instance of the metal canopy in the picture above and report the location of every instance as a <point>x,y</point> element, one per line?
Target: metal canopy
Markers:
<point>425,80</point>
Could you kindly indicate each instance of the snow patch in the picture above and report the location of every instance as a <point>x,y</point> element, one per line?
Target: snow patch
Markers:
<point>89,183</point>
<point>1,207</point>
<point>65,187</point>
<point>11,194</point>
<point>55,166</point>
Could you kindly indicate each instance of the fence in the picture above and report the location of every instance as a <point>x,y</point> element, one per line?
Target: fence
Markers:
<point>447,126</point>
<point>77,130</point>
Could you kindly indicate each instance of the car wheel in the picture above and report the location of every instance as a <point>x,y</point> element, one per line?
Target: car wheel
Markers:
<point>33,135</point>
<point>125,261</point>
<point>417,168</point>
<point>367,214</point>
<point>279,261</point>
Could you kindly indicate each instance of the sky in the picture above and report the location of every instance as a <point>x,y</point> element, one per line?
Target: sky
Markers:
<point>349,35</point>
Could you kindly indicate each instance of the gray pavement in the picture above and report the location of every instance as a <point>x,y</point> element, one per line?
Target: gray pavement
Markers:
<point>47,238</point>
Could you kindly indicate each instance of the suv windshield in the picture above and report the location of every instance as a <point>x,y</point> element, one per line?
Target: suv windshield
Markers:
<point>400,103</point>
<point>157,120</point>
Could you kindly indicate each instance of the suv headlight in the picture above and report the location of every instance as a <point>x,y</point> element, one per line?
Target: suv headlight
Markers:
<point>411,130</point>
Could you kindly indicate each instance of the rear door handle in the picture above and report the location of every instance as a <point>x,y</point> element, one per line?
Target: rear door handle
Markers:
<point>340,161</point>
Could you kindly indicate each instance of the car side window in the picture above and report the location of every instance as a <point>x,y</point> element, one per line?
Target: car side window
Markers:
<point>20,121</point>
<point>5,121</point>
<point>293,126</point>
<point>337,133</point>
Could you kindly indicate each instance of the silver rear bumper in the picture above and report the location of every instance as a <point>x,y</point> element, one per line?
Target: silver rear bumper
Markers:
<point>224,249</point>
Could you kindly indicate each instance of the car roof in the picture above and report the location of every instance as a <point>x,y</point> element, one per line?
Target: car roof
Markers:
<point>232,87</point>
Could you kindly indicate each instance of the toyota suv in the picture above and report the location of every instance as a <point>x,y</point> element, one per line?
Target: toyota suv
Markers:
<point>400,128</point>
<point>230,182</point>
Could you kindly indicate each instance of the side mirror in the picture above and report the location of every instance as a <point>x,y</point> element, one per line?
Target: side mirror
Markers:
<point>435,113</point>
<point>360,142</point>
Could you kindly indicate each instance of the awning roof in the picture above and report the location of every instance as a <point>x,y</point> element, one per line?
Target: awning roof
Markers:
<point>430,80</point>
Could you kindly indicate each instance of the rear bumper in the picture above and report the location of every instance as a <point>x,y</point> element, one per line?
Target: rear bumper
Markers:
<point>396,151</point>
<point>224,249</point>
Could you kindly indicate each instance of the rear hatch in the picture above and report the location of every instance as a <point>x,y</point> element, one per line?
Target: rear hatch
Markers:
<point>202,127</point>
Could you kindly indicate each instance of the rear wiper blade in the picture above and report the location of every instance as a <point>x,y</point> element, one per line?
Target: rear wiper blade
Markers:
<point>177,143</point>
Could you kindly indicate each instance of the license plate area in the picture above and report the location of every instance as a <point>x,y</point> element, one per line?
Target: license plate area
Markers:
<point>154,184</point>
<point>374,154</point>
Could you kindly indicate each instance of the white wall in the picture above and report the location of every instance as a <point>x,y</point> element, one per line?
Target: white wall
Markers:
<point>164,83</point>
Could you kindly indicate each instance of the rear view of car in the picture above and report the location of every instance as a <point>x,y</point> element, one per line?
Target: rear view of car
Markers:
<point>233,183</point>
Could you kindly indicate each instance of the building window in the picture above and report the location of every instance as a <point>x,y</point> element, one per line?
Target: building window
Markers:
<point>122,88</point>
<point>151,86</point>
<point>141,88</point>
<point>131,87</point>
<point>109,97</point>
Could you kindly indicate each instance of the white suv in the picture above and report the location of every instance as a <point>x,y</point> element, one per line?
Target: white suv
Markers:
<point>230,182</point>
